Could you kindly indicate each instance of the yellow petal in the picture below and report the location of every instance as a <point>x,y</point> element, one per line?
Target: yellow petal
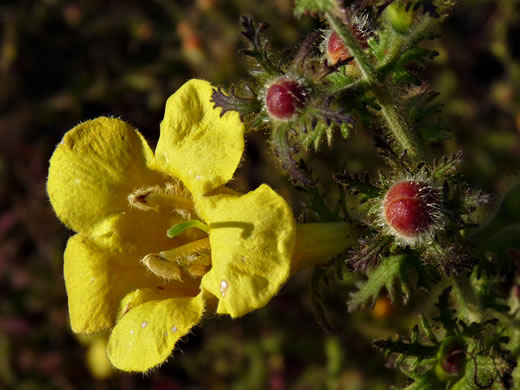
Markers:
<point>146,335</point>
<point>140,296</point>
<point>97,280</point>
<point>196,144</point>
<point>138,232</point>
<point>94,169</point>
<point>252,239</point>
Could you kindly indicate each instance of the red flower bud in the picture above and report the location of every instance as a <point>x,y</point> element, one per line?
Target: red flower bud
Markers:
<point>284,97</point>
<point>411,208</point>
<point>336,49</point>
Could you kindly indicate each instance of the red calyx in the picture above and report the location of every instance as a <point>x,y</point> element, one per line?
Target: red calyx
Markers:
<point>283,98</point>
<point>410,207</point>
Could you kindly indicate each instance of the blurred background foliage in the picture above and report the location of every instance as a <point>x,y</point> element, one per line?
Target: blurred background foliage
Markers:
<point>62,62</point>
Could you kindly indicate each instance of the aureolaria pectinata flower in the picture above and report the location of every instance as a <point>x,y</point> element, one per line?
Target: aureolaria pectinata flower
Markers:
<point>123,273</point>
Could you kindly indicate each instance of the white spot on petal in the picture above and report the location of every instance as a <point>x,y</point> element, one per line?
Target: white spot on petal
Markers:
<point>224,285</point>
<point>197,177</point>
<point>143,325</point>
<point>174,329</point>
<point>131,331</point>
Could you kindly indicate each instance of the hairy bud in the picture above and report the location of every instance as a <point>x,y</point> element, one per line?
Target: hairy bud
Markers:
<point>411,209</point>
<point>336,49</point>
<point>284,97</point>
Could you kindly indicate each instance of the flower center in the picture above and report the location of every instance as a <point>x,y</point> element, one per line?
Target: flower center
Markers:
<point>191,260</point>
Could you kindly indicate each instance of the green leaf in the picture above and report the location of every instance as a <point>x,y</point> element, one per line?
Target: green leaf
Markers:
<point>283,151</point>
<point>387,275</point>
<point>446,165</point>
<point>340,81</point>
<point>446,314</point>
<point>258,45</point>
<point>407,347</point>
<point>483,378</point>
<point>423,115</point>
<point>359,185</point>
<point>175,230</point>
<point>426,381</point>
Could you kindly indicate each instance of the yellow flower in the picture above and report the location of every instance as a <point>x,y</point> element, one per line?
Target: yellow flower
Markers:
<point>124,274</point>
<point>121,270</point>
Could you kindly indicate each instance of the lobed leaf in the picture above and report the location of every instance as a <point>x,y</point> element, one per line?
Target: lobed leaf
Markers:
<point>389,272</point>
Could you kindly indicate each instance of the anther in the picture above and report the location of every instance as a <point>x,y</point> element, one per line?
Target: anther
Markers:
<point>193,258</point>
<point>161,267</point>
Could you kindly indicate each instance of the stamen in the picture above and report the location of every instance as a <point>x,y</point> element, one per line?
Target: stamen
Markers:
<point>188,253</point>
<point>169,200</point>
<point>162,267</point>
<point>193,258</point>
<point>153,198</point>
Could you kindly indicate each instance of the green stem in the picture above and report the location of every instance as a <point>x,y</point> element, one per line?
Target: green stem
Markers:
<point>354,47</point>
<point>397,123</point>
<point>395,119</point>
<point>398,45</point>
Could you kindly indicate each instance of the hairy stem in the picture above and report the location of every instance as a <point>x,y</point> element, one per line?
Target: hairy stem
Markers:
<point>404,135</point>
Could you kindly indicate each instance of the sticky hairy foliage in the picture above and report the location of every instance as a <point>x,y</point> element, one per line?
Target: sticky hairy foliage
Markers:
<point>233,102</point>
<point>359,185</point>
<point>403,347</point>
<point>258,45</point>
<point>284,152</point>
<point>406,67</point>
<point>390,274</point>
<point>446,313</point>
<point>423,115</point>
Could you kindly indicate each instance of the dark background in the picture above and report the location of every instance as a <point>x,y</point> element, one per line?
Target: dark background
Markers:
<point>62,62</point>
